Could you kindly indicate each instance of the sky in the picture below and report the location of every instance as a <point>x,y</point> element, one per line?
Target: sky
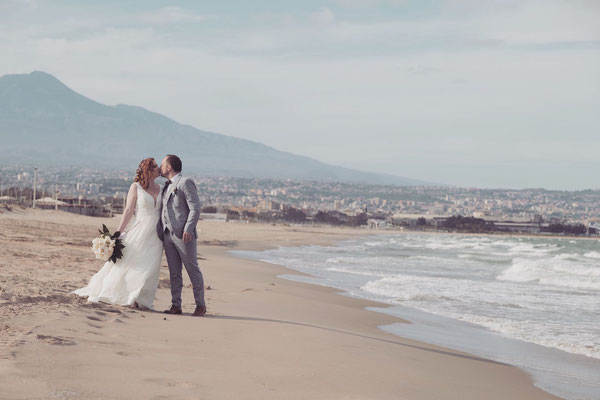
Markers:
<point>474,93</point>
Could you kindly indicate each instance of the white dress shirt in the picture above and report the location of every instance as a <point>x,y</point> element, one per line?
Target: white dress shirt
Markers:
<point>173,182</point>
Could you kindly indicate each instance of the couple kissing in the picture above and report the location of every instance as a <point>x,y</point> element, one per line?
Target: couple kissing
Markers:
<point>156,217</point>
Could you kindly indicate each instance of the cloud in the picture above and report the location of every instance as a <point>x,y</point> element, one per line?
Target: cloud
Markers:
<point>11,8</point>
<point>369,3</point>
<point>52,47</point>
<point>323,17</point>
<point>357,3</point>
<point>170,15</point>
<point>27,4</point>
<point>422,69</point>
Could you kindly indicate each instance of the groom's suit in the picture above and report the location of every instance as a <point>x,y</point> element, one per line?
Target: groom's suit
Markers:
<point>180,210</point>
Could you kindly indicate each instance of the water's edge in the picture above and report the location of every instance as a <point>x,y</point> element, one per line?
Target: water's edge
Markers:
<point>557,372</point>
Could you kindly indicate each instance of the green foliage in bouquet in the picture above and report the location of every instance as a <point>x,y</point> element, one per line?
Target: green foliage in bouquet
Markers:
<point>119,246</point>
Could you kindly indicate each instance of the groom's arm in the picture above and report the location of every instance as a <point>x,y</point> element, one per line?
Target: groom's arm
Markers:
<point>193,202</point>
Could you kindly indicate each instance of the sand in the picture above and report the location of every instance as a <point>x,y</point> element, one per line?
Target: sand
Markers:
<point>263,338</point>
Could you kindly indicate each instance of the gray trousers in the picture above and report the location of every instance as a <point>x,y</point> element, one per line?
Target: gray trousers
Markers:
<point>178,252</point>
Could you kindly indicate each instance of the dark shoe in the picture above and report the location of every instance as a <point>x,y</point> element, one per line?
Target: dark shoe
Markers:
<point>173,310</point>
<point>200,311</point>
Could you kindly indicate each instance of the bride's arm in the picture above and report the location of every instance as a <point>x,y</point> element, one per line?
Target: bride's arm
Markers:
<point>129,207</point>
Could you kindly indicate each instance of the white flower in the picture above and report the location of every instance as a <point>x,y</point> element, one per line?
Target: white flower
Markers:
<point>103,247</point>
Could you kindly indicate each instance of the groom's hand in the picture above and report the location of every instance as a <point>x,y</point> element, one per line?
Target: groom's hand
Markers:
<point>187,237</point>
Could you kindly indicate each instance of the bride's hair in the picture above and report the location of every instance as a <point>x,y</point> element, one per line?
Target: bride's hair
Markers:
<point>142,174</point>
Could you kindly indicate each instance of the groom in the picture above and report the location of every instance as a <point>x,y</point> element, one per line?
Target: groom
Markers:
<point>179,214</point>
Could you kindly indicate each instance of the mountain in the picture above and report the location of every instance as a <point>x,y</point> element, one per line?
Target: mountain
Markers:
<point>42,121</point>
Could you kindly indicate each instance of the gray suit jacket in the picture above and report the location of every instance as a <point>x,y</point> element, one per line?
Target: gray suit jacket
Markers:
<point>180,208</point>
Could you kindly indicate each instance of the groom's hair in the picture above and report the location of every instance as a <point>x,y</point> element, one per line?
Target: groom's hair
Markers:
<point>175,162</point>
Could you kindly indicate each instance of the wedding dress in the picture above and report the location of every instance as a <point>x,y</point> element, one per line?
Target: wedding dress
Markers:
<point>134,277</point>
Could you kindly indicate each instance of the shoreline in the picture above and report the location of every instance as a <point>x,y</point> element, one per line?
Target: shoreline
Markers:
<point>265,336</point>
<point>550,365</point>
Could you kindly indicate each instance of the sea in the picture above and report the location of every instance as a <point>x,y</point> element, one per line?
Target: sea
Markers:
<point>532,302</point>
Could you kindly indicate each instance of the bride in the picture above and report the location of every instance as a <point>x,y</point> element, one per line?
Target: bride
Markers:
<point>133,279</point>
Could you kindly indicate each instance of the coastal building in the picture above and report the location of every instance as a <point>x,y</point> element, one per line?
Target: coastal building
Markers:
<point>378,224</point>
<point>214,217</point>
<point>523,227</point>
<point>270,205</point>
<point>49,202</point>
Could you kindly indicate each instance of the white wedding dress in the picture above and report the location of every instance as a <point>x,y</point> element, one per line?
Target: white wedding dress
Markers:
<point>134,277</point>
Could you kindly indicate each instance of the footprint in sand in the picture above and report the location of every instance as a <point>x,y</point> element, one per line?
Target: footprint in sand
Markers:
<point>100,322</point>
<point>170,382</point>
<point>10,338</point>
<point>56,340</point>
<point>113,310</point>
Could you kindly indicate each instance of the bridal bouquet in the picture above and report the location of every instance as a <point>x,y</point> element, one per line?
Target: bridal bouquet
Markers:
<point>106,246</point>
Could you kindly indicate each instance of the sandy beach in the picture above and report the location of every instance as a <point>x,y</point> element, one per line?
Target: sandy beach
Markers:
<point>263,338</point>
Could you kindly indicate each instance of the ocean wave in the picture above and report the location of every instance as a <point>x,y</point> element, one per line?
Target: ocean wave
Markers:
<point>355,272</point>
<point>556,271</point>
<point>412,245</point>
<point>572,342</point>
<point>404,287</point>
<point>435,259</point>
<point>592,254</point>
<point>448,246</point>
<point>530,249</point>
<point>364,261</point>
<point>392,287</point>
<point>521,288</point>
<point>504,243</point>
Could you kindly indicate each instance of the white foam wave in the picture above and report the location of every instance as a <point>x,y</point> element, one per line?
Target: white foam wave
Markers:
<point>555,271</point>
<point>504,243</point>
<point>448,246</point>
<point>355,272</point>
<point>401,288</point>
<point>434,296</point>
<point>412,245</point>
<point>522,288</point>
<point>573,342</point>
<point>530,249</point>
<point>592,254</point>
<point>431,259</point>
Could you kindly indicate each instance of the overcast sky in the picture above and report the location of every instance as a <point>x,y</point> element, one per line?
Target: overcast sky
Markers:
<point>480,93</point>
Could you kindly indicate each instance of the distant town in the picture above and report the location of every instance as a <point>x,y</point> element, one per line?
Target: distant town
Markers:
<point>102,193</point>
